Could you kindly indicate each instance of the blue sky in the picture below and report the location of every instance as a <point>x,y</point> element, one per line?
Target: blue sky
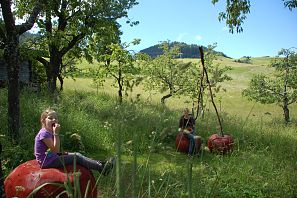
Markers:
<point>268,28</point>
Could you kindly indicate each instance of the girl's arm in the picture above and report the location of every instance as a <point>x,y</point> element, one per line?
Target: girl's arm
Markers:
<point>53,145</point>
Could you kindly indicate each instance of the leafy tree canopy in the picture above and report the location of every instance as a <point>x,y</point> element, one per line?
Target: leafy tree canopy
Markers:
<point>279,87</point>
<point>237,10</point>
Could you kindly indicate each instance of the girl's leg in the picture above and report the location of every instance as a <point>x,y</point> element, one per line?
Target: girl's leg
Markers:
<point>192,144</point>
<point>80,159</point>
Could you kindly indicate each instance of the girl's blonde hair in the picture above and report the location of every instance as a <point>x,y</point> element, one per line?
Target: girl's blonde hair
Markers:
<point>186,110</point>
<point>45,113</point>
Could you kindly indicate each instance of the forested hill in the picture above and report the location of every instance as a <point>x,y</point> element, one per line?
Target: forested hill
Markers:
<point>187,51</point>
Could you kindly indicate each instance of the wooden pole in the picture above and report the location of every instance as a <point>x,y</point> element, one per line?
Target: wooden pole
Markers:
<point>211,95</point>
<point>200,94</point>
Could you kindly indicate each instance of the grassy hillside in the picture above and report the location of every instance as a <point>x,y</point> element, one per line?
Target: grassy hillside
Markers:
<point>231,103</point>
<point>263,163</point>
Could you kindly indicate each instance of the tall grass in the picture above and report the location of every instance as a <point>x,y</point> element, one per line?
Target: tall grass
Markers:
<point>142,135</point>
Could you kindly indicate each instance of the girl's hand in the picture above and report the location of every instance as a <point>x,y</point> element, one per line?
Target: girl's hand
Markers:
<point>56,128</point>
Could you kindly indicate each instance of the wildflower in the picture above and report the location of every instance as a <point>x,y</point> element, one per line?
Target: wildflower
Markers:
<point>19,188</point>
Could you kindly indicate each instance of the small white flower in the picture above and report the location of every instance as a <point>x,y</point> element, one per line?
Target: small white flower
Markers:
<point>19,188</point>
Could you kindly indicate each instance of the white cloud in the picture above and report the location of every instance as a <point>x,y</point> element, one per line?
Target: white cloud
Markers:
<point>198,37</point>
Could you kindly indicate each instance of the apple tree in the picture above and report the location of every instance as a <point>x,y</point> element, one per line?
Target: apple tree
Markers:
<point>280,87</point>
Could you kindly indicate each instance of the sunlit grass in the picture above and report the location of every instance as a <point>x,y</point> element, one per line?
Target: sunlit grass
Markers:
<point>231,102</point>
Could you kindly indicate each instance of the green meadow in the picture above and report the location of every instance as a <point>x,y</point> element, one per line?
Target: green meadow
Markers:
<point>142,134</point>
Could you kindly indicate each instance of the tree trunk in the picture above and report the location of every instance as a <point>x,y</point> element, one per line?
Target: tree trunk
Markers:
<point>54,65</point>
<point>286,111</point>
<point>120,91</point>
<point>11,55</point>
<point>61,81</point>
<point>165,97</point>
<point>285,97</point>
<point>53,84</point>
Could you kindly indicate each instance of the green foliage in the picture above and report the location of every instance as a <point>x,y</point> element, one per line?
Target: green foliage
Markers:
<point>120,65</point>
<point>235,14</point>
<point>216,72</point>
<point>263,89</point>
<point>245,59</point>
<point>99,41</point>
<point>290,4</point>
<point>272,89</point>
<point>173,77</point>
<point>167,74</point>
<point>237,10</point>
<point>38,74</point>
<point>281,87</point>
<point>69,29</point>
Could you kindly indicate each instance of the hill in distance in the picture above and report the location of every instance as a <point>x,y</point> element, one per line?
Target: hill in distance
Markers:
<point>187,50</point>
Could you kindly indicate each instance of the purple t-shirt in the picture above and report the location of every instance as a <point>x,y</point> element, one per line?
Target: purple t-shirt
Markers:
<point>43,156</point>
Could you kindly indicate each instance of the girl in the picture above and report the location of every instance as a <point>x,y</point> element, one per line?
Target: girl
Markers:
<point>47,148</point>
<point>187,126</point>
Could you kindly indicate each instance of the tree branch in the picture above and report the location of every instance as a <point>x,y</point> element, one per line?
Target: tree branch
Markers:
<point>7,15</point>
<point>71,44</point>
<point>42,60</point>
<point>113,75</point>
<point>62,18</point>
<point>31,20</point>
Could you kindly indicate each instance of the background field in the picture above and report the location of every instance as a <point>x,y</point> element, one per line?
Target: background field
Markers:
<point>231,102</point>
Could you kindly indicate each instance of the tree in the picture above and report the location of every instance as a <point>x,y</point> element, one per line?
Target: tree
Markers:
<point>68,25</point>
<point>167,74</point>
<point>121,65</point>
<point>281,87</point>
<point>216,73</point>
<point>9,37</point>
<point>237,10</point>
<point>290,4</point>
<point>244,59</point>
